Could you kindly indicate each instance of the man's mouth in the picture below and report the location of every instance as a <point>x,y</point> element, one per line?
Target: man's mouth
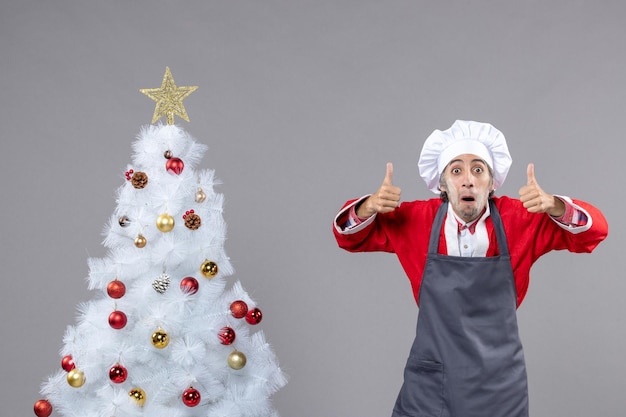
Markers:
<point>468,199</point>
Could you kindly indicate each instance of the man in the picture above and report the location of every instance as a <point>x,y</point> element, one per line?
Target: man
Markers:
<point>468,256</point>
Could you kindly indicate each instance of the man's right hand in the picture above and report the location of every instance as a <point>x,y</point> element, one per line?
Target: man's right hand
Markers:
<point>385,200</point>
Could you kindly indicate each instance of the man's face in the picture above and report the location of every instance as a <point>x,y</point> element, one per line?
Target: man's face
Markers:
<point>468,182</point>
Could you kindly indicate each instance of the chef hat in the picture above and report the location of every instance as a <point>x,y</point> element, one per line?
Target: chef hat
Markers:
<point>464,137</point>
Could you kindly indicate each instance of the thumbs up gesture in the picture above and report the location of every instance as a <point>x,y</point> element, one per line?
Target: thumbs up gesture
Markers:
<point>385,200</point>
<point>536,200</point>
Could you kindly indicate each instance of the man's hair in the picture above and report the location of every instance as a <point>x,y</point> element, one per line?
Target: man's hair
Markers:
<point>442,182</point>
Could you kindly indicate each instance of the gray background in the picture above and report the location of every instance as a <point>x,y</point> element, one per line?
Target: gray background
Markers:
<point>302,103</point>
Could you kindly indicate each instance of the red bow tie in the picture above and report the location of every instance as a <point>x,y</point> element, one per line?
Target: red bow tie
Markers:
<point>471,227</point>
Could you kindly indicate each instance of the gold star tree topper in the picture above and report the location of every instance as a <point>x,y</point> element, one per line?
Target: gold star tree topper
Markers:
<point>169,99</point>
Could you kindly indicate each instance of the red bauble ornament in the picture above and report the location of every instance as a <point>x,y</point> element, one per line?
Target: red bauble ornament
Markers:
<point>238,309</point>
<point>118,374</point>
<point>191,397</point>
<point>43,408</point>
<point>226,335</point>
<point>117,319</point>
<point>67,363</point>
<point>254,316</point>
<point>116,289</point>
<point>189,285</point>
<point>175,165</point>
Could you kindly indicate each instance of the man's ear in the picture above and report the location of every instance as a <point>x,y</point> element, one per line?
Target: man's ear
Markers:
<point>442,188</point>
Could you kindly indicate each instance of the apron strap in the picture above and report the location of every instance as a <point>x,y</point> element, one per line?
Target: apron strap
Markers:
<point>499,228</point>
<point>435,231</point>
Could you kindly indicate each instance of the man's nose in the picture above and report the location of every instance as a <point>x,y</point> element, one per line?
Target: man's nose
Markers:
<point>468,180</point>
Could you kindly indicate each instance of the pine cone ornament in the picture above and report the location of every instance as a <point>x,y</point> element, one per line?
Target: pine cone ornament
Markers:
<point>161,284</point>
<point>139,180</point>
<point>192,221</point>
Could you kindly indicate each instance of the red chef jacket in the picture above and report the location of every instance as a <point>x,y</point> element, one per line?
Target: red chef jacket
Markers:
<point>406,230</point>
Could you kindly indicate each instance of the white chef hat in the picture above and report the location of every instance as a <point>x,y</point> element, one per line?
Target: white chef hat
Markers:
<point>464,137</point>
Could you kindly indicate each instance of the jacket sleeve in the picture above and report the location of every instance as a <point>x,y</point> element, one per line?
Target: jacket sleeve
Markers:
<point>369,236</point>
<point>539,233</point>
<point>586,239</point>
<point>402,231</point>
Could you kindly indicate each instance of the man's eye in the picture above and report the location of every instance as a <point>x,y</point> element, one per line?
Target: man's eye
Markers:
<point>478,170</point>
<point>455,170</point>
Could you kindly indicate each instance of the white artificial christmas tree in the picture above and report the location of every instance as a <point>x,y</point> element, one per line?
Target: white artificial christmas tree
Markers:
<point>166,334</point>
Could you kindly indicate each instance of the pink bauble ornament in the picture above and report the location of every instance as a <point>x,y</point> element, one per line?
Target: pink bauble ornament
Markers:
<point>254,316</point>
<point>118,374</point>
<point>43,408</point>
<point>116,289</point>
<point>117,319</point>
<point>200,196</point>
<point>238,309</point>
<point>189,285</point>
<point>67,363</point>
<point>191,397</point>
<point>175,165</point>
<point>226,335</point>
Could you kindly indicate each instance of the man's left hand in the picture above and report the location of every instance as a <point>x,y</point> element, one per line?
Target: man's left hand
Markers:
<point>536,200</point>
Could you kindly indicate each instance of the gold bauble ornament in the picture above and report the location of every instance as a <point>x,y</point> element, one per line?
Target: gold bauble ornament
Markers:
<point>138,395</point>
<point>200,196</point>
<point>209,269</point>
<point>160,339</point>
<point>165,223</point>
<point>140,241</point>
<point>76,378</point>
<point>236,360</point>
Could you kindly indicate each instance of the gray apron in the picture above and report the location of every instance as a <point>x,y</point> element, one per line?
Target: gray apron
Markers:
<point>467,358</point>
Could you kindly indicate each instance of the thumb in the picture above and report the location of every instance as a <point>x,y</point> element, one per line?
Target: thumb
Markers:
<point>389,175</point>
<point>530,172</point>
